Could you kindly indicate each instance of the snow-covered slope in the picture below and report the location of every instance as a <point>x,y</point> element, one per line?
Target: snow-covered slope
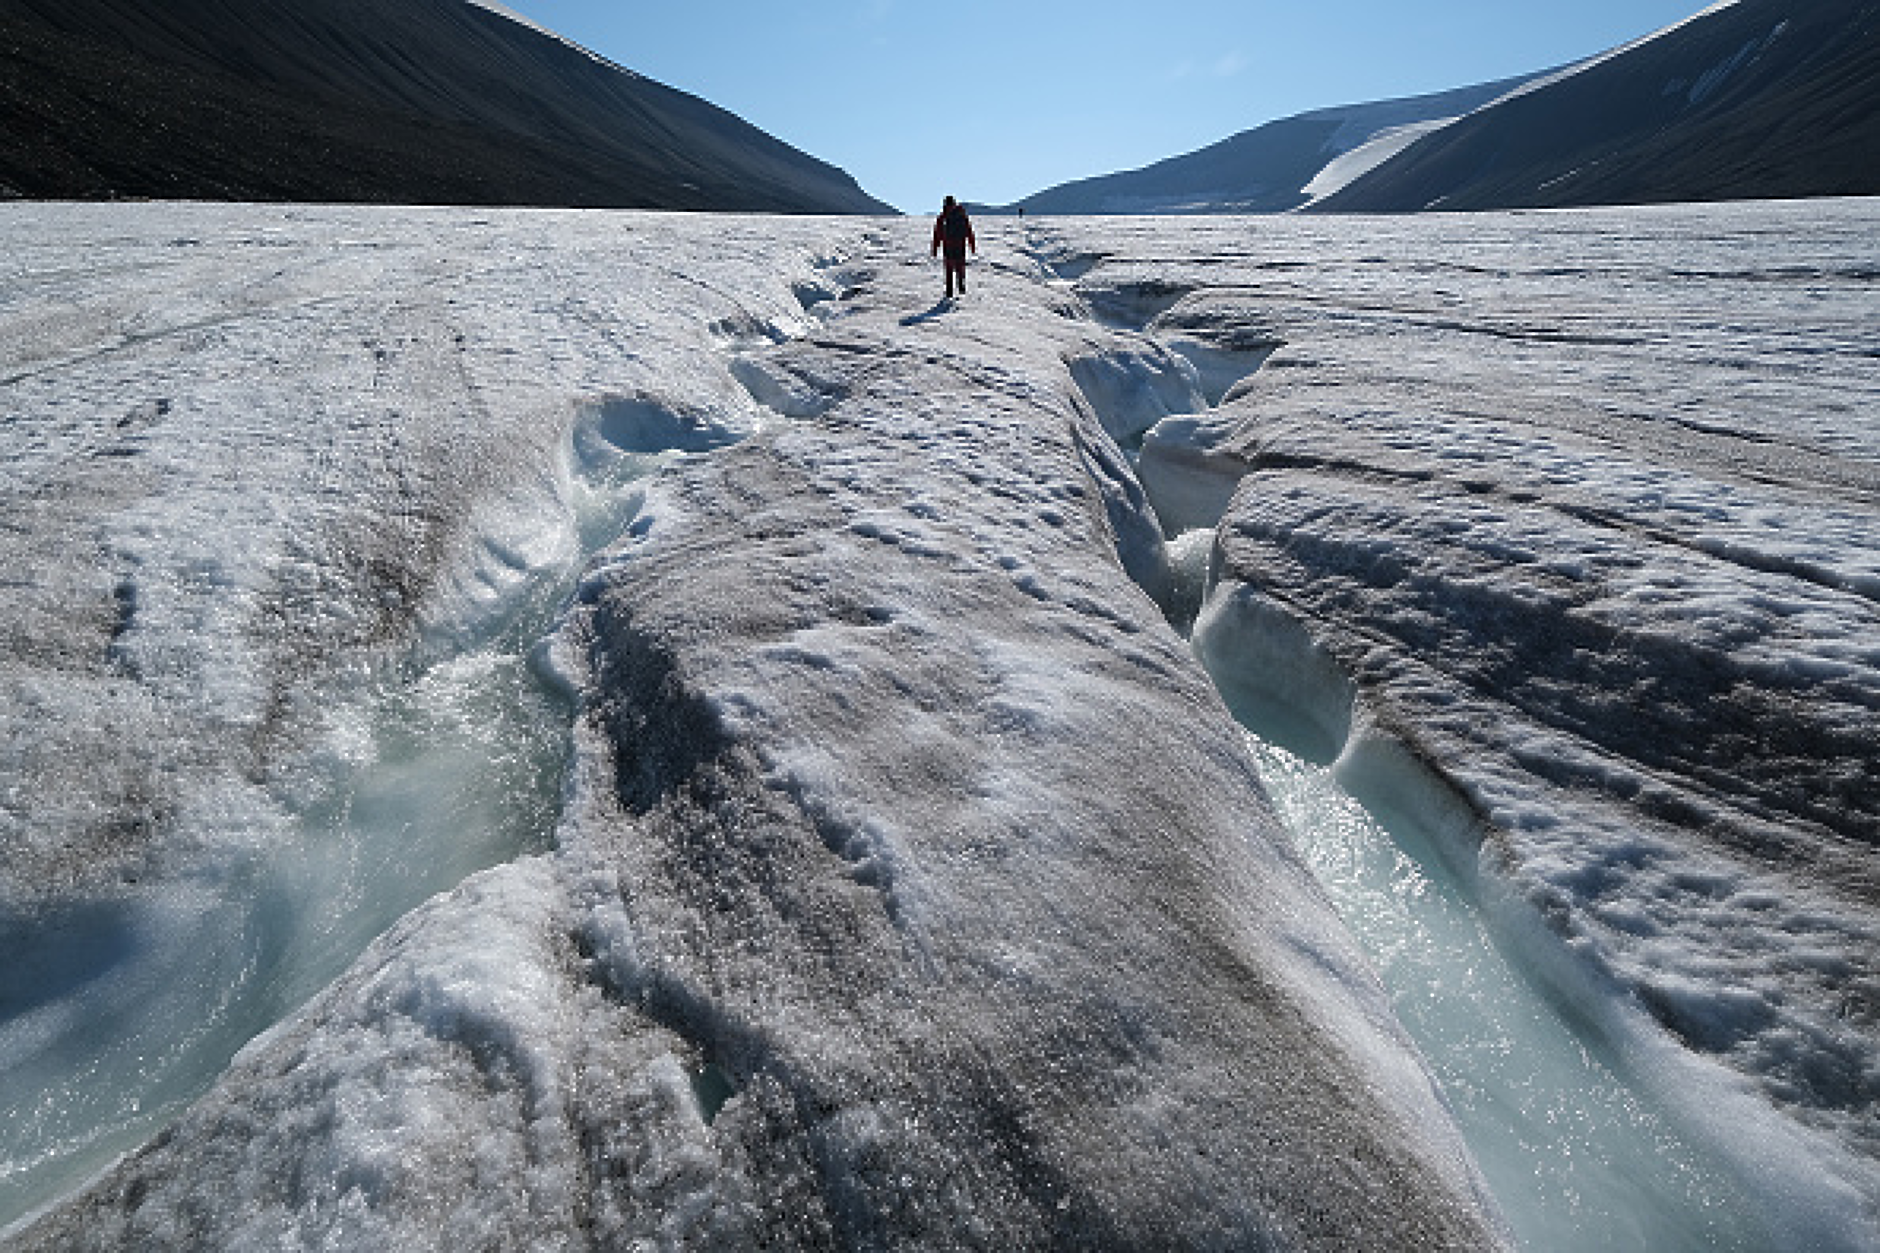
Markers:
<point>408,101</point>
<point>738,693</point>
<point>1265,170</point>
<point>1748,99</point>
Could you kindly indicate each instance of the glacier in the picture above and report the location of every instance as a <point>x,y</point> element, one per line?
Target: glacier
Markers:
<point>615,728</point>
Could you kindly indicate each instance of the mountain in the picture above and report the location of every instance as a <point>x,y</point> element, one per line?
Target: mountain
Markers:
<point>394,101</point>
<point>1748,100</point>
<point>1268,169</point>
<point>1757,99</point>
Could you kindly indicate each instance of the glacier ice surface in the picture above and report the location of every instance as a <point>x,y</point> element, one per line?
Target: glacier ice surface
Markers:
<point>886,869</point>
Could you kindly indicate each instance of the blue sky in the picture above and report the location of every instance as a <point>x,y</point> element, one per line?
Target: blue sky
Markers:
<point>993,101</point>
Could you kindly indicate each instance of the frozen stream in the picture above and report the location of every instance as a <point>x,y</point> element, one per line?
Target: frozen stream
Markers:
<point>418,779</point>
<point>1578,1156</point>
<point>423,774</point>
<point>1578,1159</point>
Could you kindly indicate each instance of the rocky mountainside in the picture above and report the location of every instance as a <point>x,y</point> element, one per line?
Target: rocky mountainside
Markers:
<point>393,101</point>
<point>1761,99</point>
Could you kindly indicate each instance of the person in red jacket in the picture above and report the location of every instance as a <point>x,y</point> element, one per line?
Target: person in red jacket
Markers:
<point>953,231</point>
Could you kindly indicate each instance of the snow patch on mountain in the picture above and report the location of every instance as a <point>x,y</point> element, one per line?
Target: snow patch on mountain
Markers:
<point>1366,155</point>
<point>1710,80</point>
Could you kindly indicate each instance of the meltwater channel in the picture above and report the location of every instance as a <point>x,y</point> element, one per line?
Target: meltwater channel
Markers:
<point>1579,1157</point>
<point>447,762</point>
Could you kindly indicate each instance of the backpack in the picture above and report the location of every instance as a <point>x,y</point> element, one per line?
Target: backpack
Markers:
<point>953,223</point>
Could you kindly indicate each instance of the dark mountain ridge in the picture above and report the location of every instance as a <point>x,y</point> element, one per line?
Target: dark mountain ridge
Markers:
<point>386,101</point>
<point>1752,100</point>
<point>1761,99</point>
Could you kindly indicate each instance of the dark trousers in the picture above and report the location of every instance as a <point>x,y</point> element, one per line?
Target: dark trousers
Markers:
<point>956,270</point>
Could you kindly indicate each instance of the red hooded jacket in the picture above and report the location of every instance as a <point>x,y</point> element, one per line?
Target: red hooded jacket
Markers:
<point>956,247</point>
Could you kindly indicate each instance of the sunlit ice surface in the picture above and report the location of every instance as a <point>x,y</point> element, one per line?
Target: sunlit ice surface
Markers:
<point>299,492</point>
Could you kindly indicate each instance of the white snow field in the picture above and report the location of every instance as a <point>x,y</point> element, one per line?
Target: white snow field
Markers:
<point>530,729</point>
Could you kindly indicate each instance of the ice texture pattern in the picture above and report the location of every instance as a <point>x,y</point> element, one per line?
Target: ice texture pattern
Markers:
<point>1573,516</point>
<point>605,728</point>
<point>909,884</point>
